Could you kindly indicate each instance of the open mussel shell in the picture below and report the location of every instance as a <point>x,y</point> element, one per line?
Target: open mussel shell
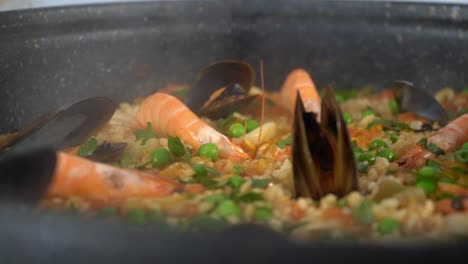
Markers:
<point>108,152</point>
<point>66,128</point>
<point>216,76</point>
<point>323,160</point>
<point>418,102</point>
<point>25,175</point>
<point>15,137</point>
<point>345,168</point>
<point>232,98</point>
<point>307,132</point>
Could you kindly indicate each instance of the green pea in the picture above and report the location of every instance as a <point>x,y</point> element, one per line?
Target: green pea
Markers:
<point>465,146</point>
<point>357,150</point>
<point>367,156</point>
<point>251,124</point>
<point>356,147</point>
<point>377,144</point>
<point>427,185</point>
<point>347,117</point>
<point>215,199</point>
<point>393,104</point>
<point>260,183</point>
<point>394,137</point>
<point>209,150</point>
<point>160,157</point>
<point>236,182</point>
<point>388,154</point>
<point>387,226</point>
<point>363,166</point>
<point>263,214</point>
<point>363,213</point>
<point>464,153</point>
<point>137,216</point>
<point>228,208</point>
<point>427,172</point>
<point>357,154</point>
<point>368,112</point>
<point>236,130</point>
<point>200,170</point>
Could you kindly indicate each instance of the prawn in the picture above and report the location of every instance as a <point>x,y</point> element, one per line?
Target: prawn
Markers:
<point>169,116</point>
<point>101,183</point>
<point>300,81</point>
<point>450,137</point>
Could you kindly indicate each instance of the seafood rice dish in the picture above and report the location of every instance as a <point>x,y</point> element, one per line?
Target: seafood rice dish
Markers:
<point>309,163</point>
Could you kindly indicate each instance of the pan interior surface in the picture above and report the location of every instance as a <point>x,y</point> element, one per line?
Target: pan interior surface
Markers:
<point>52,57</point>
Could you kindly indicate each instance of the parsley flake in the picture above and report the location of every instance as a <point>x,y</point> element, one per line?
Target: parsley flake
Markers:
<point>88,148</point>
<point>145,134</point>
<point>282,144</point>
<point>176,147</point>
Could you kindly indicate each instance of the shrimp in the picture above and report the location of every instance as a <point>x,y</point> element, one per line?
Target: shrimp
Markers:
<point>456,205</point>
<point>300,80</point>
<point>101,183</point>
<point>169,116</point>
<point>448,139</point>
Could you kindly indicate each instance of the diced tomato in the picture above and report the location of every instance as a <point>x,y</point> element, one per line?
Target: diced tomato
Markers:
<point>297,212</point>
<point>334,213</point>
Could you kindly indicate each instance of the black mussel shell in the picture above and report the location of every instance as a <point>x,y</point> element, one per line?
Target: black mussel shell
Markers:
<point>66,128</point>
<point>108,152</point>
<point>229,99</point>
<point>25,175</point>
<point>323,160</point>
<point>345,167</point>
<point>419,102</point>
<point>13,138</point>
<point>215,76</point>
<point>307,132</point>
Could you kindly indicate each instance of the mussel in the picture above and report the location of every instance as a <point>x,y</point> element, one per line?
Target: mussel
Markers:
<point>26,174</point>
<point>221,88</point>
<point>108,152</point>
<point>12,139</point>
<point>323,160</point>
<point>65,128</point>
<point>225,101</point>
<point>418,102</point>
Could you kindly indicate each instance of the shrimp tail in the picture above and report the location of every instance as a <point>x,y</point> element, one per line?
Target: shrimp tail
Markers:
<point>300,81</point>
<point>102,183</point>
<point>450,137</point>
<point>169,116</point>
<point>416,157</point>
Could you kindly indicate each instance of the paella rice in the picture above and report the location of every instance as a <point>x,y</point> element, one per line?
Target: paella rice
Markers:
<point>240,168</point>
